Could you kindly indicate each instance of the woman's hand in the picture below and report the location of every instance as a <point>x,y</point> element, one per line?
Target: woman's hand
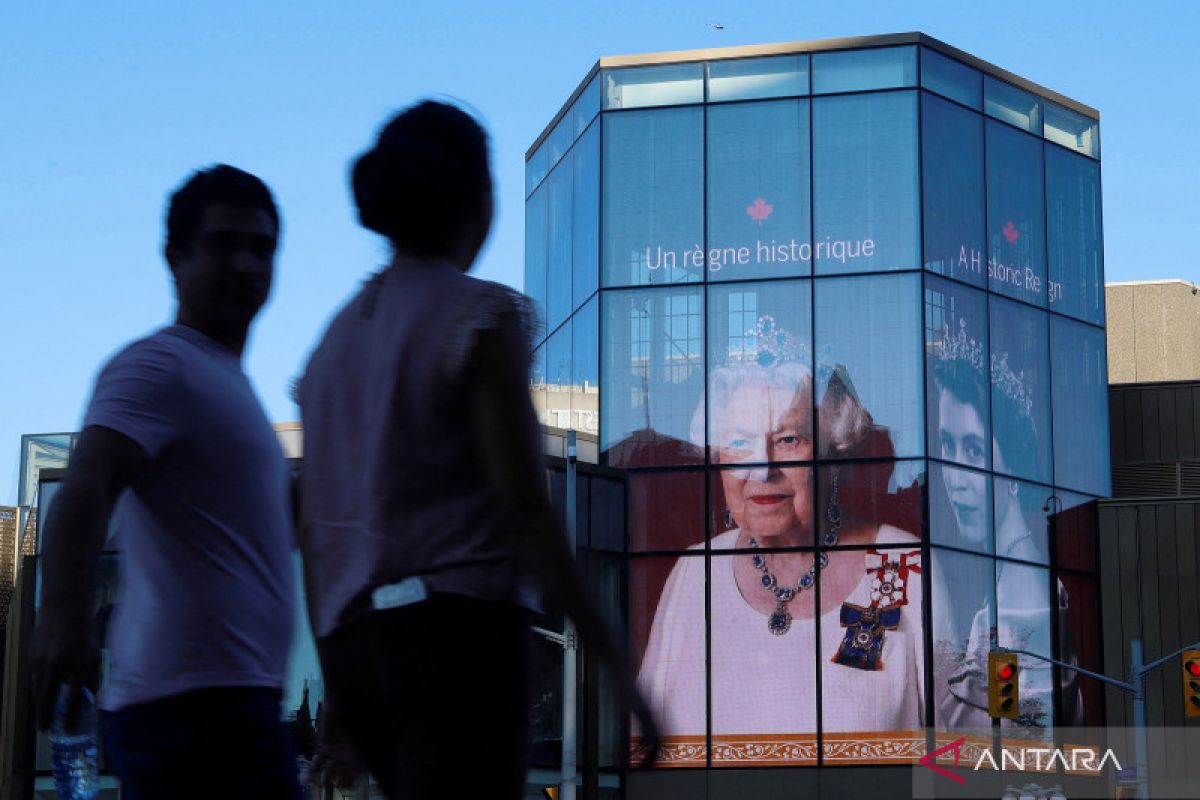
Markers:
<point>336,762</point>
<point>651,740</point>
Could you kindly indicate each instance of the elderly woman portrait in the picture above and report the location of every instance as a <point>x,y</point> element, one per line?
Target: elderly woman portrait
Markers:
<point>762,596</point>
<point>1015,610</point>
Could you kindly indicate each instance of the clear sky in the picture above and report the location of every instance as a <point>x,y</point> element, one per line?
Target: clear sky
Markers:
<point>104,107</point>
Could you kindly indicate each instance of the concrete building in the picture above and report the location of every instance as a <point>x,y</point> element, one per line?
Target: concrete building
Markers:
<point>1153,331</point>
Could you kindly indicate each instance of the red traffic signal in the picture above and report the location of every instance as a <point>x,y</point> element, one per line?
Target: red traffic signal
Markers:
<point>1191,683</point>
<point>1004,698</point>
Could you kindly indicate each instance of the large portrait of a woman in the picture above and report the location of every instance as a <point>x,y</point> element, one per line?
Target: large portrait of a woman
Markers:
<point>784,527</point>
<point>1011,605</point>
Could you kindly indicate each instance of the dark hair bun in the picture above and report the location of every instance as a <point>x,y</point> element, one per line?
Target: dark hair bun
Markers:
<point>426,176</point>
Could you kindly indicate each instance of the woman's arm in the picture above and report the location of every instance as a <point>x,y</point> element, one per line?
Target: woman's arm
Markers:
<point>510,442</point>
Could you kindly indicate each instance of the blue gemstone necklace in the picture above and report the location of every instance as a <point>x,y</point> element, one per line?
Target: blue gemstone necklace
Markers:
<point>779,621</point>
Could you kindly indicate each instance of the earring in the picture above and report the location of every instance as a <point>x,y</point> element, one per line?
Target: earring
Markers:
<point>1014,488</point>
<point>729,521</point>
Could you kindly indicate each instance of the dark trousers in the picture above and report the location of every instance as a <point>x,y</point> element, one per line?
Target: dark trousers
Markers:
<point>435,696</point>
<point>212,743</point>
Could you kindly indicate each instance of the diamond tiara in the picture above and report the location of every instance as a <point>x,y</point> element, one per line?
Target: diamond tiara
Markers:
<point>1012,385</point>
<point>961,347</point>
<point>772,345</point>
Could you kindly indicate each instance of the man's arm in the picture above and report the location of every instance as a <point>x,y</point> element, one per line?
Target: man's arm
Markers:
<point>507,430</point>
<point>64,651</point>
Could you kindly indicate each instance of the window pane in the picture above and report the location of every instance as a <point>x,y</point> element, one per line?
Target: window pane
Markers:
<point>857,70</point>
<point>774,505</point>
<point>560,138</point>
<point>964,594</point>
<point>760,374</point>
<point>1023,623</point>
<point>1020,391</point>
<point>1012,105</point>
<point>669,641</point>
<point>1071,130</point>
<point>1080,391</point>
<point>956,374</point>
<point>654,86</point>
<point>537,375</point>
<point>872,664</point>
<point>758,194</point>
<point>952,160</point>
<point>1075,238</point>
<point>874,494</point>
<point>535,252</point>
<point>951,78</point>
<point>653,196</point>
<point>536,167</point>
<point>1022,520</point>
<point>869,366</point>
<point>586,236</point>
<point>1015,215</point>
<point>866,183</point>
<point>558,266</point>
<point>587,106</point>
<point>556,411</point>
<point>761,682</point>
<point>960,507</point>
<point>653,376</point>
<point>666,510</point>
<point>751,78</point>
<point>585,369</point>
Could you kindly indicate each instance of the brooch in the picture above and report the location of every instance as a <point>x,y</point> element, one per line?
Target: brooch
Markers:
<point>862,644</point>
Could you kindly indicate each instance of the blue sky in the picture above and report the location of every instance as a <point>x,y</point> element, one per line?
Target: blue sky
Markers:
<point>107,106</point>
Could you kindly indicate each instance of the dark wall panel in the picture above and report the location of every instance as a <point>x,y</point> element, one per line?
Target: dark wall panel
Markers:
<point>1185,419</point>
<point>1117,426</point>
<point>1168,425</point>
<point>1132,436</point>
<point>1150,590</point>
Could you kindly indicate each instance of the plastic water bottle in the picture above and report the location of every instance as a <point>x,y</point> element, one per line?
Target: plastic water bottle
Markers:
<point>73,753</point>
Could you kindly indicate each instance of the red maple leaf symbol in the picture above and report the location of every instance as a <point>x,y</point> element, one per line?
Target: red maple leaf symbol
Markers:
<point>760,210</point>
<point>1010,232</point>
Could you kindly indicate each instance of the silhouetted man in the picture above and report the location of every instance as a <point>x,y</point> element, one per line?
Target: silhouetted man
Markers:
<point>176,437</point>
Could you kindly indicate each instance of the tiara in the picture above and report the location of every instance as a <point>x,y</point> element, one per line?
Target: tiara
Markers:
<point>772,345</point>
<point>960,347</point>
<point>1012,385</point>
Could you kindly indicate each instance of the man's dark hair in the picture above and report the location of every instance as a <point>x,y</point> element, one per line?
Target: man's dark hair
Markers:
<point>426,176</point>
<point>218,184</point>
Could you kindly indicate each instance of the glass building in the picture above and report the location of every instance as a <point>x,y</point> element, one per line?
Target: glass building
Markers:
<point>836,310</point>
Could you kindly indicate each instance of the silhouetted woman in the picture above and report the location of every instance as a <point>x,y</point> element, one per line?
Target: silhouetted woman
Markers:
<point>424,495</point>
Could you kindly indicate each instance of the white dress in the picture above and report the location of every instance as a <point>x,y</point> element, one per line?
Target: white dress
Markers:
<point>766,684</point>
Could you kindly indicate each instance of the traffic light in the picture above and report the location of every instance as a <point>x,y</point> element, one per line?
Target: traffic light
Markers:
<point>1191,683</point>
<point>1004,698</point>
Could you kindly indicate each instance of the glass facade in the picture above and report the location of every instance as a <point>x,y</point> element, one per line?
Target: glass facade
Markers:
<point>848,350</point>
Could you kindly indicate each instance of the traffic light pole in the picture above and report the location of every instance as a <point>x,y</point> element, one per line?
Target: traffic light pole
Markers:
<point>570,748</point>
<point>1135,686</point>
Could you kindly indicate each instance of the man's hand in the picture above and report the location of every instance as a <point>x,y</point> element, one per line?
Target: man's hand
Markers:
<point>63,653</point>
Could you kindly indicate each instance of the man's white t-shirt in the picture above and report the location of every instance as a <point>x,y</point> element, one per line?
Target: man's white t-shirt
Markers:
<point>204,532</point>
